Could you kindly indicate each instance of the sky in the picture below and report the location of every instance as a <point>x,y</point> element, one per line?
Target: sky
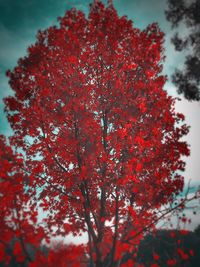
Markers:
<point>20,20</point>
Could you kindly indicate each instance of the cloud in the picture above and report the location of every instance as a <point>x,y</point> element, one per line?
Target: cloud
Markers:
<point>191,110</point>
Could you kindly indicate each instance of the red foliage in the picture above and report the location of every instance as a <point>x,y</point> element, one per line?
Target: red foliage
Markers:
<point>62,256</point>
<point>155,265</point>
<point>191,252</point>
<point>183,255</point>
<point>100,135</point>
<point>171,262</point>
<point>156,256</point>
<point>18,215</point>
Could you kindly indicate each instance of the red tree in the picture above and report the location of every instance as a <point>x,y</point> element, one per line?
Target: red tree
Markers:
<point>99,134</point>
<point>18,211</point>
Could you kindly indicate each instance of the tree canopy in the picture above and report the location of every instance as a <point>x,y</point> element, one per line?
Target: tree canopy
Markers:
<point>99,137</point>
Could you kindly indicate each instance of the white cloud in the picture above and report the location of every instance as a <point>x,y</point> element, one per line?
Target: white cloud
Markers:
<point>191,110</point>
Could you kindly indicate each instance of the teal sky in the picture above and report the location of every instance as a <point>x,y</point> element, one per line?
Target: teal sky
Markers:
<point>21,19</point>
